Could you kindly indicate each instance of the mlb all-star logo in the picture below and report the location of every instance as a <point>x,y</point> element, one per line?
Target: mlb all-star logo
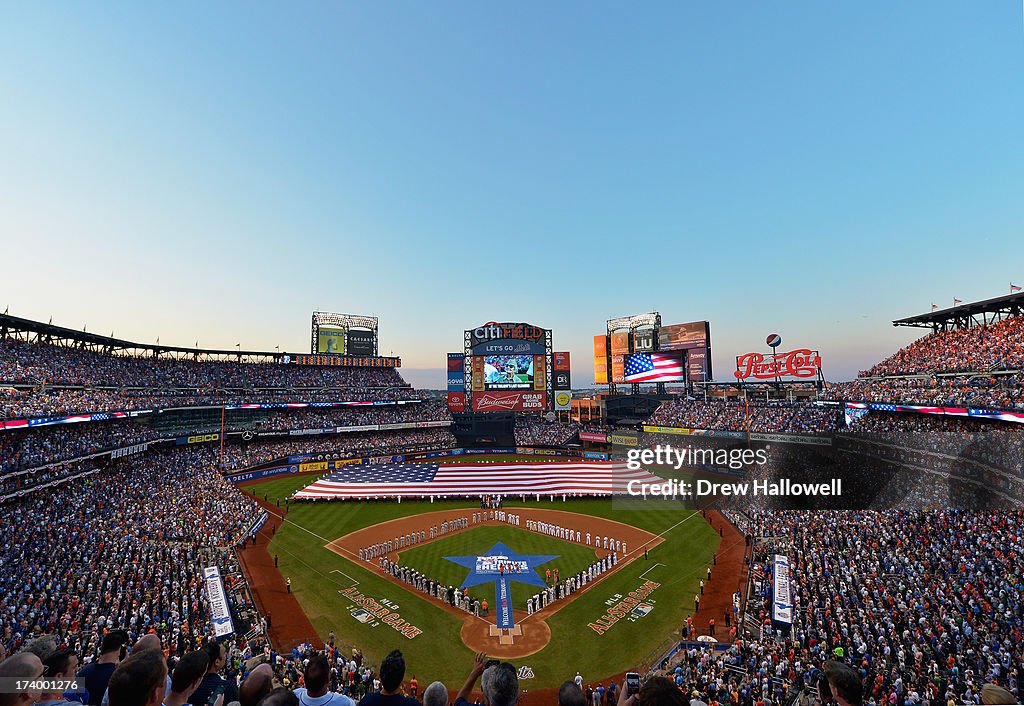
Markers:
<point>482,568</point>
<point>481,571</point>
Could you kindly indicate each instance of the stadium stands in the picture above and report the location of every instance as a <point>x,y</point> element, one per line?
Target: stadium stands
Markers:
<point>738,416</point>
<point>927,606</point>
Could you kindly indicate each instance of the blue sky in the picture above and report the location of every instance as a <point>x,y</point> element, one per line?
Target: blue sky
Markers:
<point>220,171</point>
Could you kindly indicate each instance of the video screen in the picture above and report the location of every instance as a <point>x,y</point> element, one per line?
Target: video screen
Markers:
<point>331,341</point>
<point>508,372</point>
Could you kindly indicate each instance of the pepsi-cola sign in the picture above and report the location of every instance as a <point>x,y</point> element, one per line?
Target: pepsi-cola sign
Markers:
<point>798,363</point>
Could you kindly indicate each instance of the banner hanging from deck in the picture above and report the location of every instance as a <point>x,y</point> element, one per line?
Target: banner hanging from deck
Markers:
<point>220,614</point>
<point>782,600</point>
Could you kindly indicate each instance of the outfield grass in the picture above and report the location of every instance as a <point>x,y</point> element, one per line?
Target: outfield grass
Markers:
<point>318,574</point>
<point>429,558</point>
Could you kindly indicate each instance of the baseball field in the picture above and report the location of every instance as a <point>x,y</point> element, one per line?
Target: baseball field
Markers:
<point>316,548</point>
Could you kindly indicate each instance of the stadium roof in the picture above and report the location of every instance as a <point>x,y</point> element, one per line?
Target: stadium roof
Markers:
<point>971,314</point>
<point>38,332</point>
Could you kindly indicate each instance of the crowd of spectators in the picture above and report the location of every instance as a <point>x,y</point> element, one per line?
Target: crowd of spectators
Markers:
<point>927,606</point>
<point>921,606</point>
<point>47,401</point>
<point>30,448</point>
<point>238,456</point>
<point>38,379</point>
<point>996,346</point>
<point>316,418</point>
<point>122,548</point>
<point>33,448</point>
<point>740,416</point>
<point>534,431</point>
<point>980,391</point>
<point>34,363</point>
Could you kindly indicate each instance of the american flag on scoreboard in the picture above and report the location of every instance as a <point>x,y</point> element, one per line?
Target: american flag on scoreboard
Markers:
<point>654,367</point>
<point>476,479</point>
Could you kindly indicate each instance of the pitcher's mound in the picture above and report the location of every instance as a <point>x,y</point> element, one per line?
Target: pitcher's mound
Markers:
<point>476,634</point>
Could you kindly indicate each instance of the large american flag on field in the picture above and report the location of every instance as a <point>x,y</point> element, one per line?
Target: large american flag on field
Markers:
<point>476,479</point>
<point>654,367</point>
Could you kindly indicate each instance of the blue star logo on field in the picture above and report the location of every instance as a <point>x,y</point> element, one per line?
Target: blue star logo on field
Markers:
<point>501,565</point>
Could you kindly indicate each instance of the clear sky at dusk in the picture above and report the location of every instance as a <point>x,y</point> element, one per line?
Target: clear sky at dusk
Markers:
<point>219,171</point>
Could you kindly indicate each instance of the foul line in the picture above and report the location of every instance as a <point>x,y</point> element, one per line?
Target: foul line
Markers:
<point>339,571</point>
<point>650,569</point>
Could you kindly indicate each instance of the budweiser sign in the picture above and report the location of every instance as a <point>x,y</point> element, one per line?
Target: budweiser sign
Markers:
<point>799,363</point>
<point>509,401</point>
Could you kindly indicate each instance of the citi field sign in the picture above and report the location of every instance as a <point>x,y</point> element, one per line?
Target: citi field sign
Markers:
<point>507,338</point>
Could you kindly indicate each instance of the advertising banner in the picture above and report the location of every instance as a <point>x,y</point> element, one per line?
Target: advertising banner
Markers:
<point>799,363</point>
<point>313,432</point>
<point>601,346</point>
<point>563,381</point>
<point>509,401</point>
<point>560,361</point>
<point>457,401</point>
<point>390,426</point>
<point>618,368</point>
<point>623,439</point>
<point>792,439</point>
<point>667,430</point>
<point>220,614</point>
<point>676,336</point>
<point>717,433</point>
<point>620,342</point>
<point>456,362</point>
<point>643,341</point>
<point>540,366</point>
<point>330,341</point>
<point>456,382</point>
<point>596,437</point>
<point>262,473</point>
<point>197,439</point>
<point>782,601</point>
<point>359,342</point>
<point>600,371</point>
<point>698,365</point>
<point>507,339</point>
<point>563,400</point>
<point>478,374</point>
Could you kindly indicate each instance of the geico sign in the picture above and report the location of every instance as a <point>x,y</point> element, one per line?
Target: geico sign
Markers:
<point>492,331</point>
<point>202,438</point>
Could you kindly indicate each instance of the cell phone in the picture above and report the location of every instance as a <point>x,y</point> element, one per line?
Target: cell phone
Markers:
<point>221,687</point>
<point>632,683</point>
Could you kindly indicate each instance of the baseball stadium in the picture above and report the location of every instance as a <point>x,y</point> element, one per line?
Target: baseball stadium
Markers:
<point>339,510</point>
<point>455,354</point>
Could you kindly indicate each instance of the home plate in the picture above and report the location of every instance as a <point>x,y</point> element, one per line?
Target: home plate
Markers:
<point>506,636</point>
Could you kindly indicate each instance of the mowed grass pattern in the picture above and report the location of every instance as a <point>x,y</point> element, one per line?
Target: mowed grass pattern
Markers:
<point>318,574</point>
<point>429,558</point>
